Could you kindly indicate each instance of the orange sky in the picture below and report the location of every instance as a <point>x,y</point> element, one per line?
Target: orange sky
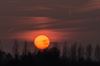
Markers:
<point>30,35</point>
<point>60,20</point>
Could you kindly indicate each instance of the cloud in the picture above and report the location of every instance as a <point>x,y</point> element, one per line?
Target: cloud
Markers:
<point>40,23</point>
<point>63,15</point>
<point>44,8</point>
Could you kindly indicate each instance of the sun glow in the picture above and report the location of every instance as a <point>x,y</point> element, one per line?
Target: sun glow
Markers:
<point>42,42</point>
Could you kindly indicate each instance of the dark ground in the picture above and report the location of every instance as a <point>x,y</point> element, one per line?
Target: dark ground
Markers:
<point>47,58</point>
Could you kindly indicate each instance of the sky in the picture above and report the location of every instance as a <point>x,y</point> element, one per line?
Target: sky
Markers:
<point>58,19</point>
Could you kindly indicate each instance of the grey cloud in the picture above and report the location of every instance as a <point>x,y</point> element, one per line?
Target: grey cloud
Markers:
<point>67,25</point>
<point>41,8</point>
<point>71,15</point>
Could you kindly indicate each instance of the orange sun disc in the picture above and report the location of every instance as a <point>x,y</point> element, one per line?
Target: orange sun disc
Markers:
<point>42,42</point>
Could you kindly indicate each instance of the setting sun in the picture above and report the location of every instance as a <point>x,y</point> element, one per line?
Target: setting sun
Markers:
<point>41,42</point>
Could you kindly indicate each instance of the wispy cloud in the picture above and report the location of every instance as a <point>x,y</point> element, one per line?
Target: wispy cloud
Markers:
<point>62,15</point>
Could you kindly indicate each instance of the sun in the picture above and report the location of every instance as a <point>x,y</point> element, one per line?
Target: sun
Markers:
<point>42,42</point>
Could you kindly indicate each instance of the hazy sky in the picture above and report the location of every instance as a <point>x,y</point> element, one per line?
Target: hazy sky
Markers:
<point>58,19</point>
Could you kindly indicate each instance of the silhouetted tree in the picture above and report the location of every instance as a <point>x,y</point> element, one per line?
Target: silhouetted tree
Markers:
<point>15,49</point>
<point>97,52</point>
<point>64,53</point>
<point>80,52</point>
<point>55,44</point>
<point>89,52</point>
<point>73,51</point>
<point>25,49</point>
<point>49,57</point>
<point>0,44</point>
<point>2,54</point>
<point>8,58</point>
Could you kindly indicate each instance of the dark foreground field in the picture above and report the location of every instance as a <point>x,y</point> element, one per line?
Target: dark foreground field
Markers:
<point>47,58</point>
